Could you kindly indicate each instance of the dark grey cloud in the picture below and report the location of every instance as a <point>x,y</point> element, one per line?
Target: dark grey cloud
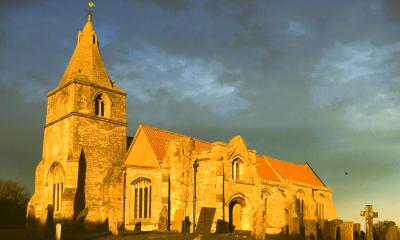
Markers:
<point>170,5</point>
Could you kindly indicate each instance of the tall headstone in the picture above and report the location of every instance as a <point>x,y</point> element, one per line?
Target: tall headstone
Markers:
<point>369,215</point>
<point>163,220</point>
<point>329,232</point>
<point>310,229</point>
<point>346,231</point>
<point>357,230</point>
<point>178,220</point>
<point>258,231</point>
<point>294,226</point>
<point>392,233</point>
<point>206,219</point>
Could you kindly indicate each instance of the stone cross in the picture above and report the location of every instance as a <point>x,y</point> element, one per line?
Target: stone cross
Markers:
<point>369,215</point>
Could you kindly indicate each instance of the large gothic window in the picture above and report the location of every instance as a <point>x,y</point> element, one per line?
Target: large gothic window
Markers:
<point>99,105</point>
<point>321,207</point>
<point>141,190</point>
<point>235,169</point>
<point>56,184</point>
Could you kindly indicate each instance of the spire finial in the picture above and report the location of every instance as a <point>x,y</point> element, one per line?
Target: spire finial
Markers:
<point>91,5</point>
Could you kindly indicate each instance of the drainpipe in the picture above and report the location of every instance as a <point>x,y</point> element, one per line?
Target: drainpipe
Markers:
<point>223,192</point>
<point>124,199</point>
<point>195,166</point>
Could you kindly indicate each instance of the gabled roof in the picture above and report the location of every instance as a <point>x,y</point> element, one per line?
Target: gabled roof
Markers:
<point>268,168</point>
<point>158,139</point>
<point>265,171</point>
<point>295,172</point>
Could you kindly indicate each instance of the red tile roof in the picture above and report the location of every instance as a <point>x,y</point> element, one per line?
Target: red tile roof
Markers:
<point>265,170</point>
<point>158,139</point>
<point>267,167</point>
<point>295,172</point>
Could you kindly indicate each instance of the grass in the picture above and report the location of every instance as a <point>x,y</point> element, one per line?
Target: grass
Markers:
<point>21,234</point>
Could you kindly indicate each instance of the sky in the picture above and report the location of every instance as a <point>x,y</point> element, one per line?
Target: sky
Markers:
<point>312,81</point>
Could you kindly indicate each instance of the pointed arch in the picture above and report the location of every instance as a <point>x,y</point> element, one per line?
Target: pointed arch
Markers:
<point>55,183</point>
<point>321,206</point>
<point>102,104</point>
<point>141,189</point>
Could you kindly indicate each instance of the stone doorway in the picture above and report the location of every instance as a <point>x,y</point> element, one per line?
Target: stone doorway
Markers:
<point>237,214</point>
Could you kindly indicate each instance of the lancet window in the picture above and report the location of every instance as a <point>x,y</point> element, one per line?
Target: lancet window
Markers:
<point>300,203</point>
<point>235,169</point>
<point>321,207</point>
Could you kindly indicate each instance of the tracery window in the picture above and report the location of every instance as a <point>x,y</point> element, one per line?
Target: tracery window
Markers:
<point>56,184</point>
<point>235,169</point>
<point>141,189</point>
<point>321,207</point>
<point>99,105</point>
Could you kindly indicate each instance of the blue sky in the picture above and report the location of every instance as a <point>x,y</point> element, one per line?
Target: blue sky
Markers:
<point>314,81</point>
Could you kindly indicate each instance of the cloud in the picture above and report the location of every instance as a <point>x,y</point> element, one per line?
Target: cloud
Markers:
<point>170,5</point>
<point>150,70</point>
<point>3,38</point>
<point>296,28</point>
<point>362,75</point>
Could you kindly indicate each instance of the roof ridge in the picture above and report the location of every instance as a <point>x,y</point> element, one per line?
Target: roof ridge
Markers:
<point>174,133</point>
<point>280,160</point>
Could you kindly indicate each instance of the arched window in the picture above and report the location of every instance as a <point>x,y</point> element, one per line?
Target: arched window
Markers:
<point>141,189</point>
<point>265,196</point>
<point>56,184</point>
<point>321,207</point>
<point>236,169</point>
<point>300,196</point>
<point>99,105</point>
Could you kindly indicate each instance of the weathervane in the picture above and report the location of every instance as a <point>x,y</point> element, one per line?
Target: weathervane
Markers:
<point>91,4</point>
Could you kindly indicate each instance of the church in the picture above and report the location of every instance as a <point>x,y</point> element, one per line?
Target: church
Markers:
<point>157,179</point>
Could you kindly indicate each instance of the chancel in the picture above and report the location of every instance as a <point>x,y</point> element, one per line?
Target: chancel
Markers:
<point>90,165</point>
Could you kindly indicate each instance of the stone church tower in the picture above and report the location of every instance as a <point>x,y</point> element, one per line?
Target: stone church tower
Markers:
<point>84,141</point>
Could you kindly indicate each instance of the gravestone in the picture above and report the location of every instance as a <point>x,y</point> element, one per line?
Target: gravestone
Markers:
<point>357,230</point>
<point>320,228</point>
<point>186,225</point>
<point>392,233</point>
<point>294,226</point>
<point>369,215</point>
<point>163,220</point>
<point>346,231</point>
<point>178,219</point>
<point>258,231</point>
<point>78,221</point>
<point>310,229</point>
<point>49,227</point>
<point>330,229</point>
<point>206,219</point>
<point>58,231</point>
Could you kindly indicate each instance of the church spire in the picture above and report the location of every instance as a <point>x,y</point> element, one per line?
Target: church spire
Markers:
<point>86,63</point>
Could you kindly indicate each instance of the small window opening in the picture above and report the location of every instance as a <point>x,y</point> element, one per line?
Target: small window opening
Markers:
<point>99,105</point>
